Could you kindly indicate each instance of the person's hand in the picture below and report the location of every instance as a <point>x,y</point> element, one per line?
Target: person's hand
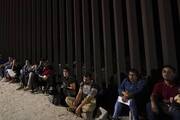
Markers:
<point>45,77</point>
<point>125,93</point>
<point>40,76</point>
<point>177,98</point>
<point>154,108</point>
<point>69,87</point>
<point>171,99</point>
<point>124,99</point>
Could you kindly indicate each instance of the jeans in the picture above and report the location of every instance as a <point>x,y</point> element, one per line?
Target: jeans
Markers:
<point>119,106</point>
<point>174,114</point>
<point>1,72</point>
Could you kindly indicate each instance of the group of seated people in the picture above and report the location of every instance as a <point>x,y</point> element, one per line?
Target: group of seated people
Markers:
<point>81,97</point>
<point>77,97</point>
<point>31,77</point>
<point>164,100</point>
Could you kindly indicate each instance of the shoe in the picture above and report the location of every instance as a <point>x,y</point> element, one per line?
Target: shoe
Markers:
<point>36,91</point>
<point>7,80</point>
<point>71,109</point>
<point>12,81</point>
<point>19,88</point>
<point>27,88</point>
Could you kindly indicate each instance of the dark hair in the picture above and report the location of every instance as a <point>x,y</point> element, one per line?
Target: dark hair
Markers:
<point>169,66</point>
<point>66,68</point>
<point>134,71</point>
<point>28,60</point>
<point>87,74</point>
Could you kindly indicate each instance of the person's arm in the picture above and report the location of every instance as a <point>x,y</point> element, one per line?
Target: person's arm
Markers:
<point>72,86</point>
<point>13,65</point>
<point>140,86</point>
<point>157,92</point>
<point>121,89</point>
<point>154,107</point>
<point>30,68</point>
<point>44,77</point>
<point>87,99</point>
<point>5,64</point>
<point>47,74</point>
<point>78,98</point>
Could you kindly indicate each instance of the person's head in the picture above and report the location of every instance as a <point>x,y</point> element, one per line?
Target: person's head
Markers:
<point>133,75</point>
<point>168,73</point>
<point>34,66</point>
<point>27,62</point>
<point>10,59</point>
<point>14,62</point>
<point>66,72</point>
<point>87,78</point>
<point>41,62</point>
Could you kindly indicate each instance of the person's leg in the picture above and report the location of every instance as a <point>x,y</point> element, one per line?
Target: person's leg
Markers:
<point>1,73</point>
<point>62,96</point>
<point>29,81</point>
<point>117,109</point>
<point>49,84</point>
<point>21,77</point>
<point>69,101</point>
<point>175,114</point>
<point>133,109</point>
<point>150,114</point>
<point>8,78</point>
<point>89,107</point>
<point>26,77</point>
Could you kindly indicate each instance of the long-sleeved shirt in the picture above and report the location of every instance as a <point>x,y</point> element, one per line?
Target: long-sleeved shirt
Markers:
<point>48,72</point>
<point>132,87</point>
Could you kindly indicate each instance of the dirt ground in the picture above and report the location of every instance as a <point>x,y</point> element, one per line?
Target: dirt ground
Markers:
<point>23,105</point>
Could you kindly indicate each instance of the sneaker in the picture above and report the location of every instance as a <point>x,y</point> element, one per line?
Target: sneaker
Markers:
<point>19,88</point>
<point>27,88</point>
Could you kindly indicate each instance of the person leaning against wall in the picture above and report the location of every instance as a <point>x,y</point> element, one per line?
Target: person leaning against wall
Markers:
<point>162,97</point>
<point>85,102</point>
<point>128,90</point>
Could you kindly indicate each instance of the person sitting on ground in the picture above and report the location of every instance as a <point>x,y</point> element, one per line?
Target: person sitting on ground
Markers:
<point>35,71</point>
<point>46,78</point>
<point>2,61</point>
<point>68,86</point>
<point>24,74</point>
<point>10,59</point>
<point>162,97</point>
<point>4,67</point>
<point>85,101</point>
<point>128,90</point>
<point>13,73</point>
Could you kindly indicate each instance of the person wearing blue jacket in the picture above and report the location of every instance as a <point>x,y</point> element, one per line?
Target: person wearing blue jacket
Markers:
<point>128,89</point>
